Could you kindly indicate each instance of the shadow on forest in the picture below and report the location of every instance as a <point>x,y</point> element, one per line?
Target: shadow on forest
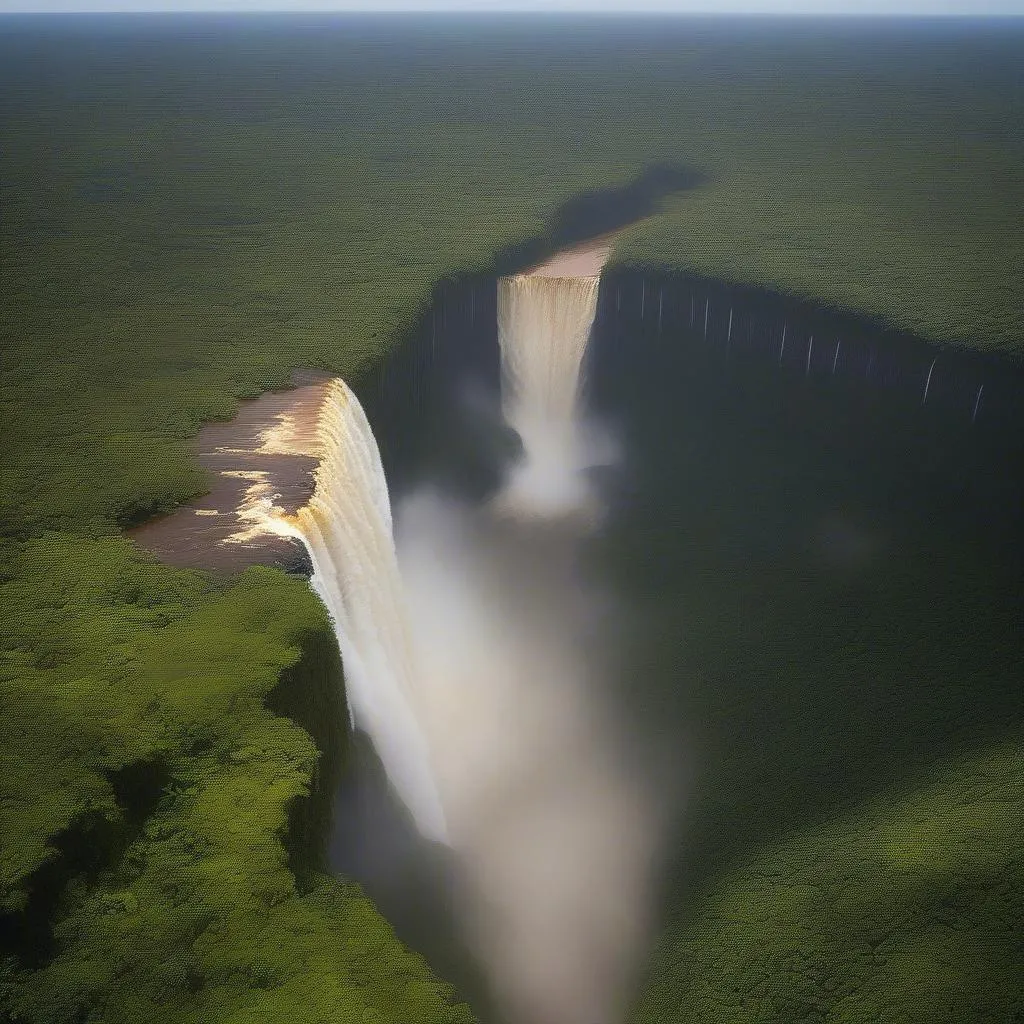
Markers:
<point>819,537</point>
<point>822,556</point>
<point>91,846</point>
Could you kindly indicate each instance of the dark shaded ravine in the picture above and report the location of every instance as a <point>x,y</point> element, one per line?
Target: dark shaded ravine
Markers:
<point>824,567</point>
<point>820,546</point>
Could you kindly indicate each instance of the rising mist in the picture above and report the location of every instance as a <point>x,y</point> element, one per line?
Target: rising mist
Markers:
<point>480,657</point>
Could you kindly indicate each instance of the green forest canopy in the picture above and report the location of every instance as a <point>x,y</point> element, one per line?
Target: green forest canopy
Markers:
<point>186,217</point>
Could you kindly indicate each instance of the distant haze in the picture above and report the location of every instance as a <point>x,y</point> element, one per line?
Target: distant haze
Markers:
<point>780,7</point>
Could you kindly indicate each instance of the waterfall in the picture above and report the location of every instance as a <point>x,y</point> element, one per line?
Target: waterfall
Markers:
<point>346,527</point>
<point>544,325</point>
<point>479,659</point>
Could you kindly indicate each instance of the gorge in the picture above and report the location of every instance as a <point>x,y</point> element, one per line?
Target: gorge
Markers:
<point>759,482</point>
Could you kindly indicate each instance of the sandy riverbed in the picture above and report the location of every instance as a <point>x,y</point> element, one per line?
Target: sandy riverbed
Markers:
<point>584,260</point>
<point>268,451</point>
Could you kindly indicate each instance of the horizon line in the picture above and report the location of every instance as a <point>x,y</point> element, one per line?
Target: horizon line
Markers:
<point>885,15</point>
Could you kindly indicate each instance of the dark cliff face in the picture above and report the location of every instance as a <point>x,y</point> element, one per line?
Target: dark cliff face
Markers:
<point>872,394</point>
<point>879,417</point>
<point>312,694</point>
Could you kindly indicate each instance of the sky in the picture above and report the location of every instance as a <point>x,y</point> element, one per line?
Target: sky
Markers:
<point>795,7</point>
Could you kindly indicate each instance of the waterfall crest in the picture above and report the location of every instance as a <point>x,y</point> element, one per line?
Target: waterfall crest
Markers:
<point>543,328</point>
<point>347,529</point>
<point>544,325</point>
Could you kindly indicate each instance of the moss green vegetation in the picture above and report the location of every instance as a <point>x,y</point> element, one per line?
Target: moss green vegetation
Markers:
<point>187,214</point>
<point>907,911</point>
<point>145,790</point>
<point>852,854</point>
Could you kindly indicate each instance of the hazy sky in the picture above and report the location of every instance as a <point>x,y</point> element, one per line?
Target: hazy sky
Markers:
<point>974,7</point>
